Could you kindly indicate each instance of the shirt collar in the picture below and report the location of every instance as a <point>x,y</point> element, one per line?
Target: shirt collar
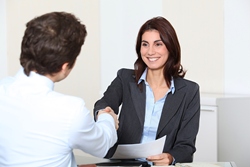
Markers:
<point>143,78</point>
<point>36,78</point>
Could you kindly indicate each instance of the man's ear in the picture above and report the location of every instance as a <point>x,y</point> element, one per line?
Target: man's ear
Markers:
<point>65,66</point>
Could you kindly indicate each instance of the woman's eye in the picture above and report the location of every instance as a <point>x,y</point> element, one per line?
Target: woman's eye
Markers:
<point>144,44</point>
<point>158,44</point>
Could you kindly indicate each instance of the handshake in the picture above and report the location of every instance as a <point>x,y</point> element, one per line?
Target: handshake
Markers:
<point>112,113</point>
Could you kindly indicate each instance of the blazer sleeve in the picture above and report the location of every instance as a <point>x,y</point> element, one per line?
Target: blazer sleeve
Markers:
<point>184,145</point>
<point>113,96</point>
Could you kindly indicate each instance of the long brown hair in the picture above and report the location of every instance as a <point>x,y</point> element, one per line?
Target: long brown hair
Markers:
<point>173,67</point>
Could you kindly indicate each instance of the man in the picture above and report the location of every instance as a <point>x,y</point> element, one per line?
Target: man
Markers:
<point>41,127</point>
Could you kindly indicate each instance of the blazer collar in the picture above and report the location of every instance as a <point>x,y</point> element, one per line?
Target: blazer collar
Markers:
<point>170,107</point>
<point>172,103</point>
<point>139,100</point>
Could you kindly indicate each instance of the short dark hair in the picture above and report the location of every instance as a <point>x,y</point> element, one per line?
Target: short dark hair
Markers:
<point>173,67</point>
<point>51,40</point>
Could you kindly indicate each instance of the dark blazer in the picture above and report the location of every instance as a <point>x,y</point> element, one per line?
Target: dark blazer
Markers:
<point>179,119</point>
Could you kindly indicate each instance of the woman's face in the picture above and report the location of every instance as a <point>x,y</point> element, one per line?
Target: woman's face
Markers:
<point>154,53</point>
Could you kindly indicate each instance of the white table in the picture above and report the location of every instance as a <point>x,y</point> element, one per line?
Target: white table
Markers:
<point>81,160</point>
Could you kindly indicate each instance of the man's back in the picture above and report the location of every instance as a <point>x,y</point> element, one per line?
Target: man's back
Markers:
<point>39,126</point>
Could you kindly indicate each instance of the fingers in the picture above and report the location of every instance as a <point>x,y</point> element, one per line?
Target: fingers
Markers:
<point>90,165</point>
<point>105,110</point>
<point>108,109</point>
<point>112,113</point>
<point>161,159</point>
<point>155,158</point>
<point>115,119</point>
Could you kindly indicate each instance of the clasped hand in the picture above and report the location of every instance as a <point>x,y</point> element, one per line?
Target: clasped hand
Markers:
<point>112,113</point>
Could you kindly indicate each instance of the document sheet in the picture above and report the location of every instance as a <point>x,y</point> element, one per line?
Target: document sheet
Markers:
<point>142,150</point>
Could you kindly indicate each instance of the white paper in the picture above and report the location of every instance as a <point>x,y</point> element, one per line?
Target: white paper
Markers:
<point>142,150</point>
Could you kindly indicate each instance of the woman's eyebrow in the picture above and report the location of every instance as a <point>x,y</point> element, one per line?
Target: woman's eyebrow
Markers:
<point>159,40</point>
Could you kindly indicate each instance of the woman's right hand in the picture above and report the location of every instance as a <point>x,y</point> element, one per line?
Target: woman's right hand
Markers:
<point>112,113</point>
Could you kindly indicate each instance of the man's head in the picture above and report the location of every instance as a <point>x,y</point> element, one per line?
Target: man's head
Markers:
<point>51,41</point>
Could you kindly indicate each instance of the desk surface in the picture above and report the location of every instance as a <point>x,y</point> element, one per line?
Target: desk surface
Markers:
<point>82,160</point>
<point>207,164</point>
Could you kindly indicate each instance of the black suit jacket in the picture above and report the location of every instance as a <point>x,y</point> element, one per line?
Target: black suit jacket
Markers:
<point>179,119</point>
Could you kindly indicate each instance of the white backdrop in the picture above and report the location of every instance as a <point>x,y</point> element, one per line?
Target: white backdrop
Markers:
<point>237,46</point>
<point>121,20</point>
<point>3,40</point>
<point>120,23</point>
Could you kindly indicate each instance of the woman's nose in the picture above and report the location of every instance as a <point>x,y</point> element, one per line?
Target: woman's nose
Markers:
<point>151,51</point>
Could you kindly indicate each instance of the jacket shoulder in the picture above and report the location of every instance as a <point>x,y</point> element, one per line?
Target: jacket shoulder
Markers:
<point>181,82</point>
<point>126,73</point>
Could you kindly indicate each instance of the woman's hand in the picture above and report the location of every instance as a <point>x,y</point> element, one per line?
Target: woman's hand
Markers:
<point>112,113</point>
<point>161,159</point>
<point>90,165</point>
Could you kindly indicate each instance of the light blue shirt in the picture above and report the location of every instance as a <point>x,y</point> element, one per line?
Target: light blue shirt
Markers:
<point>153,110</point>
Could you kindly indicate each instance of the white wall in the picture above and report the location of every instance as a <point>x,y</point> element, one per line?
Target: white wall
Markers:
<point>3,40</point>
<point>84,80</point>
<point>120,23</point>
<point>214,37</point>
<point>237,46</point>
<point>200,28</point>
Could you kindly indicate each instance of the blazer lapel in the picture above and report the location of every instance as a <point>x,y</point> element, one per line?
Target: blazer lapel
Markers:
<point>171,105</point>
<point>139,100</point>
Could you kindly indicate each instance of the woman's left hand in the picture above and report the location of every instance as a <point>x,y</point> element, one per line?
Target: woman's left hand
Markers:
<point>163,159</point>
<point>90,165</point>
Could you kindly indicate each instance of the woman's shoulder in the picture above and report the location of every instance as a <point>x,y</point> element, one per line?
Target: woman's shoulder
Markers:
<point>185,82</point>
<point>125,72</point>
<point>126,75</point>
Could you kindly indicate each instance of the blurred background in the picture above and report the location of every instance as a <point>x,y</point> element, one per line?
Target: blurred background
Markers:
<point>215,45</point>
<point>214,37</point>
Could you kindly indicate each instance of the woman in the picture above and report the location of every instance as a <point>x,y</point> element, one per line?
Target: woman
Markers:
<point>155,98</point>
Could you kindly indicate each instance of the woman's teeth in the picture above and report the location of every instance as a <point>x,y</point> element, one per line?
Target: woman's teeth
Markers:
<point>152,59</point>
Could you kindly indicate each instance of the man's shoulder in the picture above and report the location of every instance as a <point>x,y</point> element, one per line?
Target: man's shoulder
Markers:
<point>6,80</point>
<point>74,98</point>
<point>68,98</point>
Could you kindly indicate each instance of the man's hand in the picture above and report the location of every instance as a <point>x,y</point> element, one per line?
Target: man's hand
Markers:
<point>112,113</point>
<point>163,159</point>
